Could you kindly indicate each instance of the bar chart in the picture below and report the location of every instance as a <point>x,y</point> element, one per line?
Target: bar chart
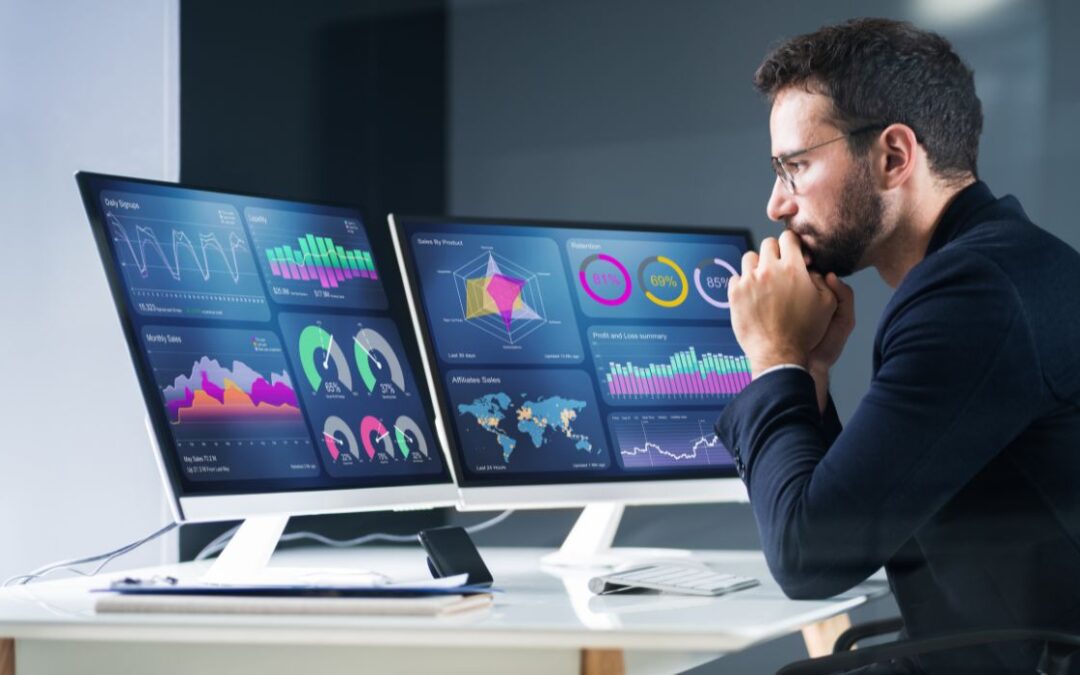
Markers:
<point>320,259</point>
<point>316,259</point>
<point>645,365</point>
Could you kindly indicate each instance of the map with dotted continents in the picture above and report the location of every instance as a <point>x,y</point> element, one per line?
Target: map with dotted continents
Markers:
<point>535,418</point>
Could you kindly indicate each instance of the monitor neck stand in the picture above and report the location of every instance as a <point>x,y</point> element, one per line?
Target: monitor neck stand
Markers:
<point>589,542</point>
<point>246,558</point>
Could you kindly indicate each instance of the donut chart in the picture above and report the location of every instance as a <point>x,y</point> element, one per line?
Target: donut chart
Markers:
<point>606,279</point>
<point>665,280</point>
<point>713,281</point>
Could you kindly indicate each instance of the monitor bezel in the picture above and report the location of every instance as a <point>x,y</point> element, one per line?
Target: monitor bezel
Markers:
<point>724,485</point>
<point>204,507</point>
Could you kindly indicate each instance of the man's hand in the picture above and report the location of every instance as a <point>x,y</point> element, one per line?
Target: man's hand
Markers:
<point>779,312</point>
<point>827,352</point>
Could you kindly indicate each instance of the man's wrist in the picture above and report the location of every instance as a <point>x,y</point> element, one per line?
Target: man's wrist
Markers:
<point>820,374</point>
<point>759,365</point>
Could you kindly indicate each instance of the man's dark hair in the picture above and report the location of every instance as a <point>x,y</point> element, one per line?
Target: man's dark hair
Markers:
<point>884,71</point>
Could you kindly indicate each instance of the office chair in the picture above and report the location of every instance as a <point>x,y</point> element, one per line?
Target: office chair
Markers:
<point>1056,659</point>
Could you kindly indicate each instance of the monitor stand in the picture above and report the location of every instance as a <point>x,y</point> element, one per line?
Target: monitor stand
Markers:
<point>246,557</point>
<point>589,542</point>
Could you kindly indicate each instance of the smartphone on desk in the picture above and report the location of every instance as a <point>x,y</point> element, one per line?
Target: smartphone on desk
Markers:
<point>451,551</point>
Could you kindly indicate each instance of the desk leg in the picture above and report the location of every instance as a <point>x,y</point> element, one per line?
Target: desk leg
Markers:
<point>821,636</point>
<point>7,656</point>
<point>594,662</point>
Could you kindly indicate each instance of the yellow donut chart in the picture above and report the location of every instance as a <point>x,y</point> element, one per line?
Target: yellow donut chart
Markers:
<point>663,260</point>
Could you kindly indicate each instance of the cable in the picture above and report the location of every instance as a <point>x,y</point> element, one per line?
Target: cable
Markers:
<point>69,565</point>
<point>222,540</point>
<point>219,543</point>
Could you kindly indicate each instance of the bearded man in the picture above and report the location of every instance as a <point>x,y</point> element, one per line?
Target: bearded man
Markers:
<point>959,471</point>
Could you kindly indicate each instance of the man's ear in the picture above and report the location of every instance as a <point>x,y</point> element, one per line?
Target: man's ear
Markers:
<point>896,150</point>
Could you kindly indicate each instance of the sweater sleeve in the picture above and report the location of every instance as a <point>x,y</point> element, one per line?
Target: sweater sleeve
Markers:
<point>956,380</point>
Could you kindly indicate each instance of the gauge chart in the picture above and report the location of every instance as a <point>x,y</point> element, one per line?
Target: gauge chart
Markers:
<point>340,441</point>
<point>378,363</point>
<point>360,395</point>
<point>323,361</point>
<point>404,442</point>
<point>410,438</point>
<point>376,439</point>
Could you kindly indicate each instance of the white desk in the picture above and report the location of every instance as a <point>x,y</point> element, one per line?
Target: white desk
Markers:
<point>541,623</point>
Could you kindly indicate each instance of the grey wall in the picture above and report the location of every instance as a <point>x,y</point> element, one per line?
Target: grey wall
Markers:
<point>643,111</point>
<point>82,86</point>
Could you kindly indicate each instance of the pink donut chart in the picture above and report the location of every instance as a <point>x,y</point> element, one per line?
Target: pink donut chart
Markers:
<point>607,278</point>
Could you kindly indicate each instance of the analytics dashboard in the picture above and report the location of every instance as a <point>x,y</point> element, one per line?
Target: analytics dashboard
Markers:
<point>578,353</point>
<point>270,339</point>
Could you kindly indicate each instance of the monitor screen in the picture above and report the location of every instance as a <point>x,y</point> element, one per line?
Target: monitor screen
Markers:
<point>577,353</point>
<point>270,342</point>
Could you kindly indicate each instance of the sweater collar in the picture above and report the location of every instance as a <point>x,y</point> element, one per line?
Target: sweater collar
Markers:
<point>964,212</point>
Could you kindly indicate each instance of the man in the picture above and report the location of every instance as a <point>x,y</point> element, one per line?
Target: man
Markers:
<point>960,469</point>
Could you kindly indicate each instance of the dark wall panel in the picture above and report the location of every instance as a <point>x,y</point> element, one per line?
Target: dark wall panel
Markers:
<point>340,101</point>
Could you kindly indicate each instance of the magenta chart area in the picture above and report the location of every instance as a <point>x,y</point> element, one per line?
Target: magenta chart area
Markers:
<point>669,441</point>
<point>184,258</point>
<point>230,402</point>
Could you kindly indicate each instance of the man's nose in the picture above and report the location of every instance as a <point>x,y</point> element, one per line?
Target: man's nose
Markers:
<point>781,204</point>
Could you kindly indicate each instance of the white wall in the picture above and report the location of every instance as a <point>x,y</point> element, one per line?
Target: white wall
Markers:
<point>83,85</point>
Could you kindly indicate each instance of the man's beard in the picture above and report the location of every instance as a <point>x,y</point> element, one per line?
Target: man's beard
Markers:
<point>857,223</point>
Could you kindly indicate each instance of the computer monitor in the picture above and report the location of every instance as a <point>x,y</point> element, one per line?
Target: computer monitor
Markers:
<point>578,363</point>
<point>274,354</point>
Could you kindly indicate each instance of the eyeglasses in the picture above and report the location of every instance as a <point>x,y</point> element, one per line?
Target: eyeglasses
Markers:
<point>779,163</point>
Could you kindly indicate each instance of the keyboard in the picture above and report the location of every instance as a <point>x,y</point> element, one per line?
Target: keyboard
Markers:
<point>683,578</point>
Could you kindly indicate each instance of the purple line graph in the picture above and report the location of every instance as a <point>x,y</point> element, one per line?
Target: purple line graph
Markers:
<point>660,440</point>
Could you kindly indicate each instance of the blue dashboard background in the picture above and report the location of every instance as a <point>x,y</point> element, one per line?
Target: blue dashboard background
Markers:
<point>434,249</point>
<point>209,340</point>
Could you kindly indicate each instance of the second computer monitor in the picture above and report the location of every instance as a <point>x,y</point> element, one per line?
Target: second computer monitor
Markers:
<point>575,364</point>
